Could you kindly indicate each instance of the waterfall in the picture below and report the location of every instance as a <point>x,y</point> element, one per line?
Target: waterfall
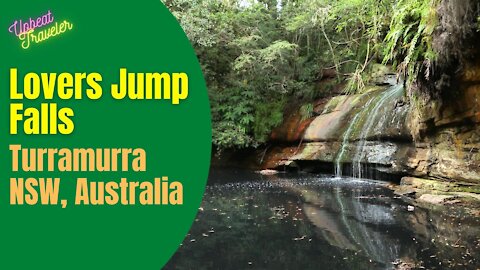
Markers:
<point>345,140</point>
<point>372,115</point>
<point>346,137</point>
<point>392,92</point>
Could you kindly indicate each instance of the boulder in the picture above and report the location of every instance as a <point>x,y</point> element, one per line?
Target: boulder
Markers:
<point>435,198</point>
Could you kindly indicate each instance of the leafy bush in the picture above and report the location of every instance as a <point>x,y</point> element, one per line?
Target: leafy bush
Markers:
<point>410,37</point>
<point>257,55</point>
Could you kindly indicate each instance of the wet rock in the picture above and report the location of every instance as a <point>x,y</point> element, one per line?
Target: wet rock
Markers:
<point>405,191</point>
<point>467,195</point>
<point>382,75</point>
<point>293,126</point>
<point>328,125</point>
<point>435,199</point>
<point>446,132</point>
<point>449,131</point>
<point>278,157</point>
<point>437,185</point>
<point>321,151</point>
<point>268,172</point>
<point>405,265</point>
<point>387,121</point>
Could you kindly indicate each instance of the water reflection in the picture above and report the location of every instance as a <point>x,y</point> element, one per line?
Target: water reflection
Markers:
<point>249,221</point>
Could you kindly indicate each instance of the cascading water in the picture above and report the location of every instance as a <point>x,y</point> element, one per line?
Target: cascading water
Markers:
<point>392,93</point>
<point>372,113</point>
<point>346,138</point>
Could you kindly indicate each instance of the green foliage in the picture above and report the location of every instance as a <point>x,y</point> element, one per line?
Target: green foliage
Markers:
<point>257,55</point>
<point>346,35</point>
<point>410,37</point>
<point>248,64</point>
<point>232,115</point>
<point>306,111</point>
<point>240,120</point>
<point>267,116</point>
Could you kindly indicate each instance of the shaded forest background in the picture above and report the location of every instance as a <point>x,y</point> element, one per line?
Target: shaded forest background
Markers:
<point>258,56</point>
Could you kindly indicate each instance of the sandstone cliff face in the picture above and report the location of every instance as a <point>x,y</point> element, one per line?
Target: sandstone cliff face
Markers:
<point>449,133</point>
<point>355,126</point>
<point>441,141</point>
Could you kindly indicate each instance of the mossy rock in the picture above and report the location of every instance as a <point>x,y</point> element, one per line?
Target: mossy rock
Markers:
<point>333,103</point>
<point>442,186</point>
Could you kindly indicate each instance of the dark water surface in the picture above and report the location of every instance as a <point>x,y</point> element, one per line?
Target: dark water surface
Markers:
<point>306,221</point>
